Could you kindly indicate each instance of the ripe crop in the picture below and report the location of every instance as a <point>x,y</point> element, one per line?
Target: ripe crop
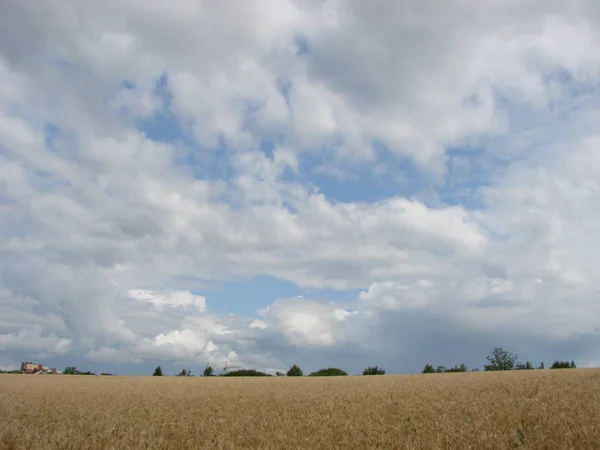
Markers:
<point>519,409</point>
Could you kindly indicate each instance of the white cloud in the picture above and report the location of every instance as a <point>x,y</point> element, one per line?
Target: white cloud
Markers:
<point>93,207</point>
<point>34,340</point>
<point>306,322</point>
<point>256,323</point>
<point>171,298</point>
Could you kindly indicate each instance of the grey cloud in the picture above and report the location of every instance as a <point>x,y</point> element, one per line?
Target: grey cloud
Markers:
<point>103,209</point>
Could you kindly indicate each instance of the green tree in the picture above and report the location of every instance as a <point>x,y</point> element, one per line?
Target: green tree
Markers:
<point>208,372</point>
<point>541,366</point>
<point>184,373</point>
<point>524,366</point>
<point>373,371</point>
<point>563,365</point>
<point>461,368</point>
<point>500,359</point>
<point>443,369</point>
<point>329,372</point>
<point>428,369</point>
<point>295,371</point>
<point>157,372</point>
<point>70,370</point>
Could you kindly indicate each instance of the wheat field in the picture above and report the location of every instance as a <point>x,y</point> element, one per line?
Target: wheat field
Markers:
<point>525,409</point>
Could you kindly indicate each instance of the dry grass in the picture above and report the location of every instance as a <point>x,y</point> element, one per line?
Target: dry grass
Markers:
<point>533,409</point>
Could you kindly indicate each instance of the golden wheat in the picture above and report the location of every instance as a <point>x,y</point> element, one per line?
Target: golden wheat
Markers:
<point>527,409</point>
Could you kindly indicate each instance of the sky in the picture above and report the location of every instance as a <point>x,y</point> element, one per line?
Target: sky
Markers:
<point>328,183</point>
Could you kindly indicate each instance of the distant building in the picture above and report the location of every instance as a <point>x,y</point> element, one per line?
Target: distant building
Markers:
<point>31,368</point>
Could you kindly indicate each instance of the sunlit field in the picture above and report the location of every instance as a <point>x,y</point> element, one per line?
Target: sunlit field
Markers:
<point>519,409</point>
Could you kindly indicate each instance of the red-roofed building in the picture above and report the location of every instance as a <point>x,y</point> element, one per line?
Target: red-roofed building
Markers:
<point>31,368</point>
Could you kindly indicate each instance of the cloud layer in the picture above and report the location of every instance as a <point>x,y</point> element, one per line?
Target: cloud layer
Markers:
<point>150,153</point>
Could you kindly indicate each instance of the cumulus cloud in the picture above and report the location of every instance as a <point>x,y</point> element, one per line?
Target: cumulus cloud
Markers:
<point>150,153</point>
<point>308,322</point>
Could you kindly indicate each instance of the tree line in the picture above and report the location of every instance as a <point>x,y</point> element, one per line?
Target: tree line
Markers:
<point>72,370</point>
<point>500,359</point>
<point>294,371</point>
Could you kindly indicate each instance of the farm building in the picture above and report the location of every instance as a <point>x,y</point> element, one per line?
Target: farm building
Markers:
<point>31,368</point>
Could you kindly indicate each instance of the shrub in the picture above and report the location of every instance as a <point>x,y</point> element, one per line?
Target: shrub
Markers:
<point>443,369</point>
<point>373,371</point>
<point>461,368</point>
<point>245,373</point>
<point>71,370</point>
<point>428,369</point>
<point>329,372</point>
<point>524,366</point>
